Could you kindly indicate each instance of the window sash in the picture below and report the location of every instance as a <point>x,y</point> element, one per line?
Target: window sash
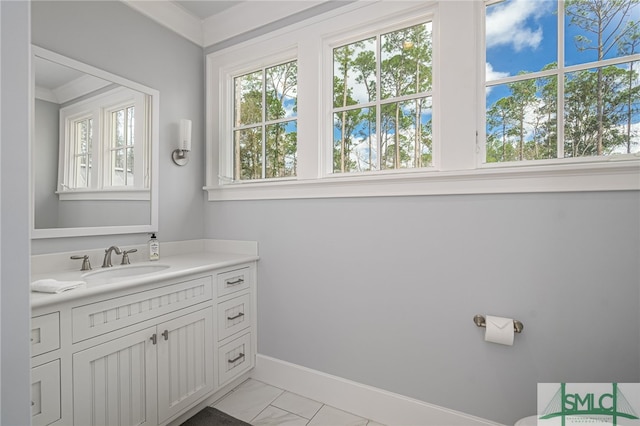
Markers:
<point>560,72</point>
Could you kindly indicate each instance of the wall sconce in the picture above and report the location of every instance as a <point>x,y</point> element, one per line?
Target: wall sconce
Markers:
<point>179,155</point>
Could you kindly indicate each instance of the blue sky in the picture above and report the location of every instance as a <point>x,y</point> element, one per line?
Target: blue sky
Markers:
<point>521,35</point>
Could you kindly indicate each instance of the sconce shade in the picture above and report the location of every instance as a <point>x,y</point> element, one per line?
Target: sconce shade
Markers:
<point>185,135</point>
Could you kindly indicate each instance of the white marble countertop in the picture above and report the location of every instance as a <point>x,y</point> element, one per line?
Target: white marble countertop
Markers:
<point>178,265</point>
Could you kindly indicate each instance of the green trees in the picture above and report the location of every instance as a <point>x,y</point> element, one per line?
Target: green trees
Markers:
<point>601,103</point>
<point>265,128</point>
<point>382,102</point>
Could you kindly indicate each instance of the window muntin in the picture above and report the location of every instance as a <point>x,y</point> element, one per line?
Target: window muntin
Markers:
<point>265,123</point>
<point>382,101</point>
<point>592,82</point>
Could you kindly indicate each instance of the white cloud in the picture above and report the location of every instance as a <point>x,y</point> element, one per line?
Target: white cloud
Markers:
<point>493,75</point>
<point>507,24</point>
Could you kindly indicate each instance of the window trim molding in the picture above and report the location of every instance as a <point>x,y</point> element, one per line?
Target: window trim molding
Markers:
<point>621,175</point>
<point>463,174</point>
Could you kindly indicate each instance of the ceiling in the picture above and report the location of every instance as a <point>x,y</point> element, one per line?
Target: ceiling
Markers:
<point>204,9</point>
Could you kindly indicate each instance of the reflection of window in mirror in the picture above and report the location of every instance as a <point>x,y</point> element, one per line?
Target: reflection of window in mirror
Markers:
<point>102,154</point>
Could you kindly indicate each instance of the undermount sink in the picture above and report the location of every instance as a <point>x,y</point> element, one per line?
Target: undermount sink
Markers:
<point>124,271</point>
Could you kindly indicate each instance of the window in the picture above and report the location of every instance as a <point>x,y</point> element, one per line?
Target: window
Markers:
<point>562,79</point>
<point>121,146</point>
<point>81,141</point>
<point>100,152</point>
<point>404,98</point>
<point>264,123</point>
<point>382,101</point>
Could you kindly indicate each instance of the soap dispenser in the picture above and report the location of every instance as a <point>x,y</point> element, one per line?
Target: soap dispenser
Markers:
<point>154,248</point>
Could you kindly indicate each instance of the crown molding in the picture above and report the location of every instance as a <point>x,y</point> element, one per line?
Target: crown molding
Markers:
<point>239,19</point>
<point>254,13</point>
<point>171,16</point>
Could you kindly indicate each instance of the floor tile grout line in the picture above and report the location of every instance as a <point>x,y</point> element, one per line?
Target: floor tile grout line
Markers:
<point>282,391</point>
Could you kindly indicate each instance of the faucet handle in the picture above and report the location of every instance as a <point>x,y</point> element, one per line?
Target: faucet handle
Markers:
<point>125,256</point>
<point>86,265</point>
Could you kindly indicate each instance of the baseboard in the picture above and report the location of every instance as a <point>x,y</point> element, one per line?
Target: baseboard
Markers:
<point>365,401</point>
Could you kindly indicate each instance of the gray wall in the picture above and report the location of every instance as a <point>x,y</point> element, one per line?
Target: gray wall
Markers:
<point>15,386</point>
<point>383,291</point>
<point>114,37</point>
<point>45,163</point>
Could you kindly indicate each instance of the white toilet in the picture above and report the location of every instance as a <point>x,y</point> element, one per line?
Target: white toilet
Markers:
<point>527,421</point>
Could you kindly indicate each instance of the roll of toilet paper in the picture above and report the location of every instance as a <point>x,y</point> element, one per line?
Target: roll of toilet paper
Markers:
<point>499,330</point>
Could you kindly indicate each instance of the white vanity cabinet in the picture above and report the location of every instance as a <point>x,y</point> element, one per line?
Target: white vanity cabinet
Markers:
<point>146,355</point>
<point>45,375</point>
<point>116,382</point>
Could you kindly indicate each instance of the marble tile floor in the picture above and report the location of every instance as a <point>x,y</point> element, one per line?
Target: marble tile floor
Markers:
<point>264,405</point>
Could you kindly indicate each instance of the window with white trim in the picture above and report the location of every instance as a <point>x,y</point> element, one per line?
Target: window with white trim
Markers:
<point>392,99</point>
<point>573,60</point>
<point>382,101</point>
<point>102,150</point>
<point>264,130</point>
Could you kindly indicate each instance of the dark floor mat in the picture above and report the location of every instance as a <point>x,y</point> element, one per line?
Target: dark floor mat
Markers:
<point>210,416</point>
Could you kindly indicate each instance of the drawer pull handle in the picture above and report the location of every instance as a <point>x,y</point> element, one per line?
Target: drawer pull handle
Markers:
<point>165,334</point>
<point>240,315</point>
<point>239,280</point>
<point>239,357</point>
<point>154,338</point>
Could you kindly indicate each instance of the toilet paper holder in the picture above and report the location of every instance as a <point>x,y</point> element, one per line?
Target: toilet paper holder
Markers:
<point>481,322</point>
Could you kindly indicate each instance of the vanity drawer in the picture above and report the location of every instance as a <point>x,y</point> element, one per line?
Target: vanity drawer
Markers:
<point>234,358</point>
<point>45,333</point>
<point>235,280</point>
<point>45,393</point>
<point>234,315</point>
<point>108,315</point>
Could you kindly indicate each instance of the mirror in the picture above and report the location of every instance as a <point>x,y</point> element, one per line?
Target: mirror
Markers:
<point>94,150</point>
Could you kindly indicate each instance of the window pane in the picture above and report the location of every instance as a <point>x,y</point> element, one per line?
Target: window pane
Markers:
<point>130,169</point>
<point>82,157</point>
<point>354,140</point>
<point>602,111</point>
<point>248,154</point>
<point>354,73</point>
<point>118,167</point>
<point>597,30</point>
<point>521,37</point>
<point>405,67</point>
<point>119,128</point>
<point>248,99</point>
<point>406,134</point>
<point>521,120</point>
<point>281,149</point>
<point>282,91</point>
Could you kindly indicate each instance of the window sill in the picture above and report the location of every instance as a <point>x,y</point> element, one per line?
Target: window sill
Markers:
<point>601,176</point>
<point>105,194</point>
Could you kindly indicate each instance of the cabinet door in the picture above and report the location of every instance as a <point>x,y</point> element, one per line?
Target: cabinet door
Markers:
<point>115,383</point>
<point>45,393</point>
<point>185,361</point>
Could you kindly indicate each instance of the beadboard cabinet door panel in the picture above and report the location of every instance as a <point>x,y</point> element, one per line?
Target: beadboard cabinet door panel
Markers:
<point>185,361</point>
<point>115,383</point>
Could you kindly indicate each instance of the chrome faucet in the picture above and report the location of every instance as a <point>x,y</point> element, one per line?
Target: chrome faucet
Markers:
<point>106,263</point>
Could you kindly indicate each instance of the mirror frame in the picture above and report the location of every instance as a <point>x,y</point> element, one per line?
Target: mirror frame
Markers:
<point>155,148</point>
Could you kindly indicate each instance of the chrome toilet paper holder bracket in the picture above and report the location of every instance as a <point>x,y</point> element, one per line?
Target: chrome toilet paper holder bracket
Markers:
<point>481,322</point>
